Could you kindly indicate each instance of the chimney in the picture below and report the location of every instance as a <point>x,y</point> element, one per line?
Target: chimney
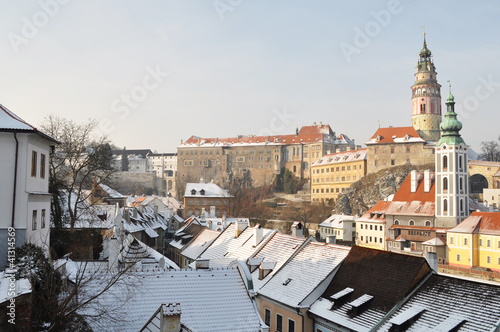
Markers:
<point>113,252</point>
<point>414,181</point>
<point>298,229</point>
<point>431,258</point>
<point>427,181</point>
<point>258,233</point>
<point>212,212</point>
<point>203,213</point>
<point>202,264</point>
<point>240,227</point>
<point>170,318</point>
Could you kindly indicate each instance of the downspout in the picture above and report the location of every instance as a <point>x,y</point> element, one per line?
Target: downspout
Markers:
<point>300,314</point>
<point>15,182</point>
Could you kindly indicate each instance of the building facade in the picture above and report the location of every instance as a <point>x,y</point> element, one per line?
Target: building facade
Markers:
<point>333,173</point>
<point>206,197</point>
<point>24,184</point>
<point>256,160</point>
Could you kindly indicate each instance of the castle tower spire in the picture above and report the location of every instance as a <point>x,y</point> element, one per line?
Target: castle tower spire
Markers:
<point>452,178</point>
<point>426,97</point>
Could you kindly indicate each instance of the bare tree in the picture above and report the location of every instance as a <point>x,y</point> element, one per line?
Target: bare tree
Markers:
<point>81,156</point>
<point>490,150</point>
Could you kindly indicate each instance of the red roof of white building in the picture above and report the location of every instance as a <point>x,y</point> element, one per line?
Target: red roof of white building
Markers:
<point>395,135</point>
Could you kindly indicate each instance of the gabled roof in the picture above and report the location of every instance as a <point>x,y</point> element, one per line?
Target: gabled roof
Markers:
<point>419,202</point>
<point>302,274</point>
<point>211,300</point>
<point>199,244</point>
<point>337,220</point>
<point>387,277</point>
<point>210,190</point>
<point>11,122</point>
<point>376,213</point>
<point>395,135</point>
<point>479,223</point>
<point>278,249</point>
<point>341,157</point>
<point>450,302</point>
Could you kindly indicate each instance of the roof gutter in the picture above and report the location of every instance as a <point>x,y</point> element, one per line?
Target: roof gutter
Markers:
<point>15,181</point>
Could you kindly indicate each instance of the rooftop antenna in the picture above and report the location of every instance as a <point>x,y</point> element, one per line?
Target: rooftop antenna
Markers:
<point>449,85</point>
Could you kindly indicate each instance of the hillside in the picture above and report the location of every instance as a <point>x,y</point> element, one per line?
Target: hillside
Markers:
<point>365,193</point>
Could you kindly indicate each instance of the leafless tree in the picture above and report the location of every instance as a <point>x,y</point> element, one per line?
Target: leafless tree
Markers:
<point>490,150</point>
<point>81,156</point>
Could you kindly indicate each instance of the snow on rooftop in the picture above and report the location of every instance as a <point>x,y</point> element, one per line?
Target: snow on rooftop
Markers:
<point>22,286</point>
<point>210,190</point>
<point>211,300</point>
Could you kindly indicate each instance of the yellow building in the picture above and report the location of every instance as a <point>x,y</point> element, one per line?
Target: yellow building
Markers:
<point>476,241</point>
<point>333,173</point>
<point>370,227</point>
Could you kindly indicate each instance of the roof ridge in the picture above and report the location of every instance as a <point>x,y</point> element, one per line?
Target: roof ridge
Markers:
<point>16,117</point>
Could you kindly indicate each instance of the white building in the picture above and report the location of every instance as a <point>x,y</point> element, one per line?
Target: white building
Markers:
<point>24,184</point>
<point>341,226</point>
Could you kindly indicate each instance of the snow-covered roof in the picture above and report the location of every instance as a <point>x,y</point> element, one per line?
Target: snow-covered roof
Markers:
<point>211,300</point>
<point>300,276</point>
<point>210,190</point>
<point>448,303</point>
<point>22,286</point>
<point>341,157</point>
<point>111,192</point>
<point>11,122</point>
<point>278,249</point>
<point>337,220</point>
<point>199,244</point>
<point>434,242</point>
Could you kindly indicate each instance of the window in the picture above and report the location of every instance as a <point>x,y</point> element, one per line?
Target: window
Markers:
<point>412,223</point>
<point>452,239</point>
<point>291,325</point>
<point>267,317</point>
<point>361,225</point>
<point>488,259</point>
<point>392,149</point>
<point>445,205</point>
<point>445,162</point>
<point>396,222</point>
<point>466,241</point>
<point>407,149</point>
<point>279,322</point>
<point>33,220</point>
<point>480,242</point>
<point>458,257</point>
<point>393,162</point>
<point>428,223</point>
<point>488,243</point>
<point>42,166</point>
<point>33,163</point>
<point>445,183</point>
<point>42,222</point>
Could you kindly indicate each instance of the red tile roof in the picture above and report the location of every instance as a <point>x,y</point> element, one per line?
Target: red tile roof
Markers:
<point>387,134</point>
<point>377,209</point>
<point>480,222</point>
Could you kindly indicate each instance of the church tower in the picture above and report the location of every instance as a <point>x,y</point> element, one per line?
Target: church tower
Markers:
<point>452,197</point>
<point>426,98</point>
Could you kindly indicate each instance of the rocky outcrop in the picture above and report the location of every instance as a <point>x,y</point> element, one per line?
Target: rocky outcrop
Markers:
<point>372,188</point>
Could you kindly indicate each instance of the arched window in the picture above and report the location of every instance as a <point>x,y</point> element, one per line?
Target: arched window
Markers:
<point>461,205</point>
<point>445,162</point>
<point>427,223</point>
<point>412,223</point>
<point>461,184</point>
<point>396,222</point>
<point>445,205</point>
<point>460,163</point>
<point>445,183</point>
<point>294,169</point>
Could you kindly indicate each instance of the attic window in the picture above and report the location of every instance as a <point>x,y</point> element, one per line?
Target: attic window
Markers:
<point>407,137</point>
<point>193,192</point>
<point>202,192</point>
<point>287,281</point>
<point>358,305</point>
<point>452,323</point>
<point>379,215</point>
<point>403,320</point>
<point>378,138</point>
<point>341,297</point>
<point>372,214</point>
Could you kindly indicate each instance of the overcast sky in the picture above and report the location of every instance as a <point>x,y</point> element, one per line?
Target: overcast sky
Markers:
<point>156,72</point>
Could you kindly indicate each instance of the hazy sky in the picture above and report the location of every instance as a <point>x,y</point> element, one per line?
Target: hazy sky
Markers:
<point>156,72</point>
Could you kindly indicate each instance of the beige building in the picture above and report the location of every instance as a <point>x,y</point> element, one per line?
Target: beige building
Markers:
<point>334,173</point>
<point>370,227</point>
<point>394,146</point>
<point>256,160</point>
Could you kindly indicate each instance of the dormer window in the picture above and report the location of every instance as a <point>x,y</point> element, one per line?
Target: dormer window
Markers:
<point>378,138</point>
<point>193,192</point>
<point>407,137</point>
<point>202,192</point>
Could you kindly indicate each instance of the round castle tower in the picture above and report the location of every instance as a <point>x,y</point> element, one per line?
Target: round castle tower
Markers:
<point>426,98</point>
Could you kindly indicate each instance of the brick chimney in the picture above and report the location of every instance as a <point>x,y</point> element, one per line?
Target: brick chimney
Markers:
<point>258,233</point>
<point>427,181</point>
<point>414,181</point>
<point>170,317</point>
